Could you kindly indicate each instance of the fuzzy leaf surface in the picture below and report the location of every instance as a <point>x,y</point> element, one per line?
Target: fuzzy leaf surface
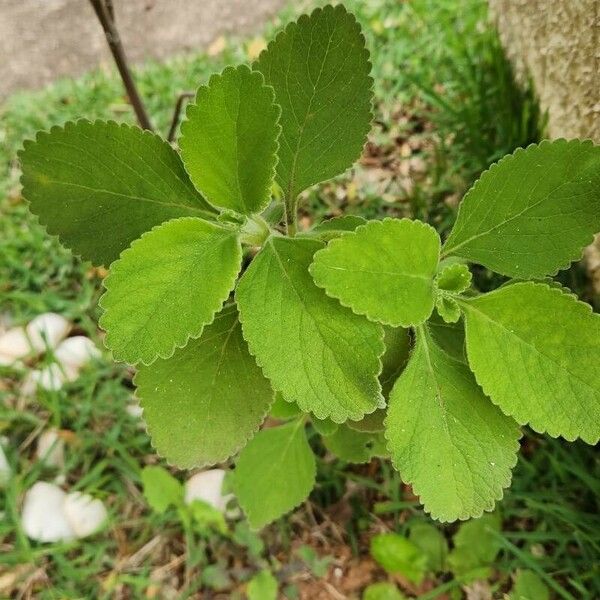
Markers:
<point>99,186</point>
<point>319,68</point>
<point>533,212</point>
<point>384,270</point>
<point>167,286</point>
<point>275,472</point>
<point>446,438</point>
<point>202,404</point>
<point>534,350</point>
<point>229,140</point>
<point>316,353</point>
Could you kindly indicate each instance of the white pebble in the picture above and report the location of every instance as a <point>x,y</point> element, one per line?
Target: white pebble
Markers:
<point>85,514</point>
<point>47,330</point>
<point>51,449</point>
<point>75,352</point>
<point>207,486</point>
<point>5,470</point>
<point>49,378</point>
<point>43,516</point>
<point>134,410</point>
<point>14,344</point>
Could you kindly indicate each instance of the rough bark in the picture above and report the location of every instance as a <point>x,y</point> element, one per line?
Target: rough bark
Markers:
<point>557,43</point>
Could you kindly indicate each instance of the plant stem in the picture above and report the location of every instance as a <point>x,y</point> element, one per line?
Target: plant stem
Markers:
<point>291,216</point>
<point>105,13</point>
<point>178,107</point>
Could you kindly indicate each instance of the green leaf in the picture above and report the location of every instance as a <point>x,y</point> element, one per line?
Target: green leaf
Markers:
<point>244,536</point>
<point>229,140</point>
<point>207,517</point>
<point>99,186</point>
<point>384,270</point>
<point>447,308</point>
<point>397,347</point>
<point>432,543</point>
<point>263,586</point>
<point>332,228</point>
<point>534,350</point>
<point>355,446</point>
<point>161,489</point>
<point>275,472</point>
<point>316,565</point>
<point>319,69</point>
<point>324,426</point>
<point>398,555</point>
<point>529,586</point>
<point>315,352</point>
<point>372,423</point>
<point>202,404</point>
<point>532,213</point>
<point>454,278</point>
<point>450,337</point>
<point>167,286</point>
<point>284,410</point>
<point>382,591</point>
<point>446,438</point>
<point>476,547</point>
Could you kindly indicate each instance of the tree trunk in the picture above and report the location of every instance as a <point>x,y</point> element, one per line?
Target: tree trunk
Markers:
<point>557,43</point>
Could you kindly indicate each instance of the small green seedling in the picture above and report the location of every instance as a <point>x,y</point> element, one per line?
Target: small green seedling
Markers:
<point>163,491</point>
<point>371,330</point>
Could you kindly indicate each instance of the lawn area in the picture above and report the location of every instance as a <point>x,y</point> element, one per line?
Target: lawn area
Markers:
<point>446,107</point>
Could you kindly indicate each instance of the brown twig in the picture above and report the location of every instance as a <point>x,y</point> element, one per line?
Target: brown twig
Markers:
<point>178,108</point>
<point>105,12</point>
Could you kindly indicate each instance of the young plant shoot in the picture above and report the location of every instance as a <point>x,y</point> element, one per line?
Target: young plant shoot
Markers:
<point>370,331</point>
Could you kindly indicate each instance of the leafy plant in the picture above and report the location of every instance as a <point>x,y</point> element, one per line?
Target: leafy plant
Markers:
<point>354,326</point>
<point>396,554</point>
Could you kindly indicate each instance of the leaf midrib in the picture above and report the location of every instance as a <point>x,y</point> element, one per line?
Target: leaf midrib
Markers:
<point>187,207</point>
<point>476,236</point>
<point>315,321</point>
<point>530,345</point>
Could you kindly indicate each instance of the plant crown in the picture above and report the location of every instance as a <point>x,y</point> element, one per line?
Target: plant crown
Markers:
<point>370,331</point>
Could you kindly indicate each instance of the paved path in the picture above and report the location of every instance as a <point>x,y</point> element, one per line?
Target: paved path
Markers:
<point>41,40</point>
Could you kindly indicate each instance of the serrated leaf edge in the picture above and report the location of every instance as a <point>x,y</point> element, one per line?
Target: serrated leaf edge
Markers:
<point>290,27</point>
<point>257,526</point>
<point>465,515</point>
<point>368,314</point>
<point>305,409</point>
<point>182,342</point>
<point>202,90</point>
<point>538,428</point>
<point>235,452</point>
<point>40,135</point>
<point>576,256</point>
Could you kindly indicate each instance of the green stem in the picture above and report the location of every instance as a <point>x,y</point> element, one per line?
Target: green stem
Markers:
<point>291,216</point>
<point>255,231</point>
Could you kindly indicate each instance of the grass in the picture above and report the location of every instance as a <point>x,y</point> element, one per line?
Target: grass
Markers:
<point>446,107</point>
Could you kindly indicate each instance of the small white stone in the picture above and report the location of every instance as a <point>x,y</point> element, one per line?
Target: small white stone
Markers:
<point>85,514</point>
<point>75,352</point>
<point>47,330</point>
<point>51,448</point>
<point>5,470</point>
<point>14,344</point>
<point>49,378</point>
<point>43,517</point>
<point>207,486</point>
<point>134,410</point>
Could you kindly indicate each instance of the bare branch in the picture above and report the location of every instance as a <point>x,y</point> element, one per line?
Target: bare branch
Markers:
<point>105,12</point>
